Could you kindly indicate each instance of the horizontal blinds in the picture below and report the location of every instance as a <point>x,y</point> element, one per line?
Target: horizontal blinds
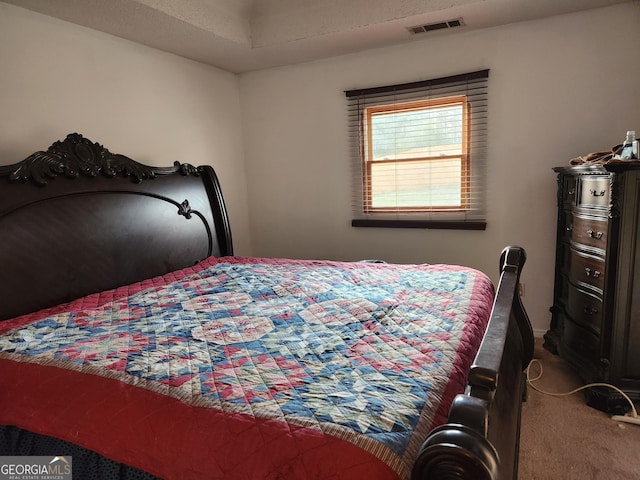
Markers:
<point>419,149</point>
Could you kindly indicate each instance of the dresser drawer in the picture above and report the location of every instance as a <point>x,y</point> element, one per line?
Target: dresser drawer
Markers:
<point>594,190</point>
<point>584,308</point>
<point>587,269</point>
<point>590,231</point>
<point>565,226</point>
<point>568,190</point>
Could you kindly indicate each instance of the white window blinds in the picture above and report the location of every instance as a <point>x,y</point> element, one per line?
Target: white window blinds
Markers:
<point>419,153</point>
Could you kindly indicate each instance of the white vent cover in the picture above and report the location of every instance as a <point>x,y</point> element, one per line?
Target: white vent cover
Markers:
<point>456,22</point>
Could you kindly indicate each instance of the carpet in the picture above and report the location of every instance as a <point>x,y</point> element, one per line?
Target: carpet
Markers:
<point>563,438</point>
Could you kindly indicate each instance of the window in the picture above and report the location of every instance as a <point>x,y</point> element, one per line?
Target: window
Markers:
<point>419,153</point>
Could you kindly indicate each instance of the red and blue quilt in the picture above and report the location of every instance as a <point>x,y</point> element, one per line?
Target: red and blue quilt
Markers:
<point>248,368</point>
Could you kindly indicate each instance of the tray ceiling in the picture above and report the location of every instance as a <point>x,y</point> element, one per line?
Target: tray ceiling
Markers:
<point>245,35</point>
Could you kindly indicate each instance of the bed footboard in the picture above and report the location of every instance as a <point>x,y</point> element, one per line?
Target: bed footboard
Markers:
<point>481,439</point>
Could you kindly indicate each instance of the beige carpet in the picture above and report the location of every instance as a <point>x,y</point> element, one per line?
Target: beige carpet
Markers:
<point>563,438</point>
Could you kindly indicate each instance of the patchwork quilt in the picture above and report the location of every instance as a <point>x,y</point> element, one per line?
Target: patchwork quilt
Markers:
<point>249,368</point>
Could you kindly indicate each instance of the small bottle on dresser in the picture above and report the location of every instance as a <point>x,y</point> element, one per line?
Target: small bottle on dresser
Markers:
<point>630,147</point>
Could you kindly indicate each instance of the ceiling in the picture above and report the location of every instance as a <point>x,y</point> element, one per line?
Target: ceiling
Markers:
<point>244,35</point>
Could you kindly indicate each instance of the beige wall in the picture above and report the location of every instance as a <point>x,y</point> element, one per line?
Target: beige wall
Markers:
<point>57,78</point>
<point>559,87</point>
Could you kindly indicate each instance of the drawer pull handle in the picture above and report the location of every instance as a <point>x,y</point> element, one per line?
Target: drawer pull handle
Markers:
<point>592,273</point>
<point>596,235</point>
<point>596,194</point>
<point>569,228</point>
<point>590,310</point>
<point>571,193</point>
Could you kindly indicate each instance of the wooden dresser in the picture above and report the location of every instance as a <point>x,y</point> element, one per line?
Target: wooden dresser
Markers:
<point>595,321</point>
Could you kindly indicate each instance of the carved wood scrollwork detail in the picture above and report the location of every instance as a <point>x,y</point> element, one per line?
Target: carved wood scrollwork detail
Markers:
<point>616,189</point>
<point>77,155</point>
<point>186,169</point>
<point>185,209</point>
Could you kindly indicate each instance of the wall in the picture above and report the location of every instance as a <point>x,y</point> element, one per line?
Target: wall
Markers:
<point>559,87</point>
<point>155,107</point>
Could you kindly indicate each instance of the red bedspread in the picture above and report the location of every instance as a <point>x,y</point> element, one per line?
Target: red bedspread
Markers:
<point>245,368</point>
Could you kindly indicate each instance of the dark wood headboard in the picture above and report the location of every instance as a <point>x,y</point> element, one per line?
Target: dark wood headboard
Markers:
<point>78,219</point>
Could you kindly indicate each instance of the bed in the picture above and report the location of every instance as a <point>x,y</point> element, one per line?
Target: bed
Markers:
<point>135,343</point>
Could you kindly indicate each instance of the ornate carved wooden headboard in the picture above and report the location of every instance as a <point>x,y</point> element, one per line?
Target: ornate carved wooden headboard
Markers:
<point>78,219</point>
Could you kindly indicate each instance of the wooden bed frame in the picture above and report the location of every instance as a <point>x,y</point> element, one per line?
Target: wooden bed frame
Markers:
<point>78,219</point>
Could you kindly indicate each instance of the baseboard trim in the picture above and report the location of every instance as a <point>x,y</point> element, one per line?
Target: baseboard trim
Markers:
<point>538,333</point>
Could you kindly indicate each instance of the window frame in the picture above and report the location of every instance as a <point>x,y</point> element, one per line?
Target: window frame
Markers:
<point>368,160</point>
<point>471,214</point>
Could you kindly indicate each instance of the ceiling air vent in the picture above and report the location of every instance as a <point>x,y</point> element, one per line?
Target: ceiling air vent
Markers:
<point>457,22</point>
